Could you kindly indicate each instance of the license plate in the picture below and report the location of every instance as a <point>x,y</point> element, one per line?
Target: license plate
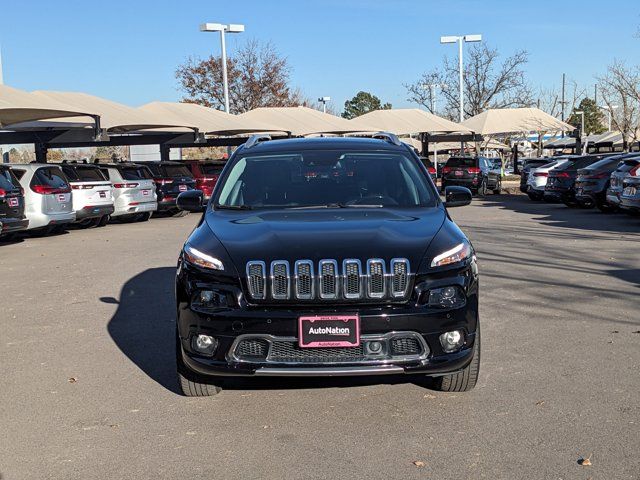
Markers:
<point>62,197</point>
<point>146,192</point>
<point>629,191</point>
<point>458,173</point>
<point>329,331</point>
<point>182,188</point>
<point>13,202</point>
<point>103,194</point>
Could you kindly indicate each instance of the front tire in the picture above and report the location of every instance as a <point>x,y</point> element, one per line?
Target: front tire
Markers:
<point>190,383</point>
<point>498,189</point>
<point>465,379</point>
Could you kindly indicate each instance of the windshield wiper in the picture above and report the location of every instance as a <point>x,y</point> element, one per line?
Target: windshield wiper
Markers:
<point>217,206</point>
<point>324,205</point>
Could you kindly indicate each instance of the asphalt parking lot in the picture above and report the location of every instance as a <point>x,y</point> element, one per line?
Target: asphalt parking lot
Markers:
<point>88,388</point>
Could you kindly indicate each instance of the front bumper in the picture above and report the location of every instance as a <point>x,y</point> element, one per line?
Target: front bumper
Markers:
<point>280,324</point>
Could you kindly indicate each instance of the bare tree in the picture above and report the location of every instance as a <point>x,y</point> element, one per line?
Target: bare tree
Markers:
<point>620,87</point>
<point>550,99</point>
<point>488,83</point>
<point>258,77</point>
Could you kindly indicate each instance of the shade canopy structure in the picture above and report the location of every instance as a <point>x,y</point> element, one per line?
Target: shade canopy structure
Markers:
<point>114,117</point>
<point>405,121</point>
<point>299,121</point>
<point>504,121</point>
<point>18,106</point>
<point>207,120</point>
<point>558,143</point>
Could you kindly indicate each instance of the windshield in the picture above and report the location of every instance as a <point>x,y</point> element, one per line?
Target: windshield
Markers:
<point>327,178</point>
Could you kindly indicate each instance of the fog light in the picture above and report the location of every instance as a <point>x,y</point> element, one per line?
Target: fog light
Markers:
<point>204,344</point>
<point>452,341</point>
<point>447,297</point>
<point>374,347</point>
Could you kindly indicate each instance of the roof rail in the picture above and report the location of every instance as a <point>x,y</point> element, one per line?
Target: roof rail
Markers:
<point>387,137</point>
<point>255,139</point>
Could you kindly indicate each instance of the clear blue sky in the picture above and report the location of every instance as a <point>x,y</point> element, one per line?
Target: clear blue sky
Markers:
<point>128,50</point>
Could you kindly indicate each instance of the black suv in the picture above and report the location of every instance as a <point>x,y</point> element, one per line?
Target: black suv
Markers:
<point>476,173</point>
<point>171,178</point>
<point>324,257</point>
<point>561,181</point>
<point>12,217</point>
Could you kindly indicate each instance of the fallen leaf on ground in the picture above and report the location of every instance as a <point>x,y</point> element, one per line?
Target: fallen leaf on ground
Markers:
<point>73,380</point>
<point>428,395</point>
<point>585,462</point>
<point>419,464</point>
<point>540,403</point>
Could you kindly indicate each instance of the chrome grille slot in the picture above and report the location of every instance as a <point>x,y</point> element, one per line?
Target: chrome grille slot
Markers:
<point>256,279</point>
<point>280,280</point>
<point>351,277</point>
<point>376,278</point>
<point>400,277</point>
<point>328,271</point>
<point>349,282</point>
<point>304,279</point>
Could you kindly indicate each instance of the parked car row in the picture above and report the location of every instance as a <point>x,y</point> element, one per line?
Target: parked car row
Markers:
<point>609,182</point>
<point>46,198</point>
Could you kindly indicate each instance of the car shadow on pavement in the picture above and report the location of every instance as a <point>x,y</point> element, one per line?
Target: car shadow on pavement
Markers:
<point>559,215</point>
<point>143,328</point>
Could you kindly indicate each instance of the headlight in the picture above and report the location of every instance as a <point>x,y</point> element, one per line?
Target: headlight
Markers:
<point>200,259</point>
<point>455,255</point>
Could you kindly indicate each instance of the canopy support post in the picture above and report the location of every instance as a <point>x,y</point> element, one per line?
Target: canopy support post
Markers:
<point>165,152</point>
<point>41,152</point>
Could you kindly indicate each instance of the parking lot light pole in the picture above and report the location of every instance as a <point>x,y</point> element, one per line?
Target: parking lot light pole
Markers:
<point>460,39</point>
<point>609,110</point>
<point>219,27</point>
<point>323,101</point>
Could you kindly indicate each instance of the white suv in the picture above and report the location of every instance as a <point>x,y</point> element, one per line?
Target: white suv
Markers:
<point>134,191</point>
<point>92,198</point>
<point>538,178</point>
<point>47,196</point>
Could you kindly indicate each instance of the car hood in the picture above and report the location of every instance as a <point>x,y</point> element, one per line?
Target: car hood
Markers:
<point>334,234</point>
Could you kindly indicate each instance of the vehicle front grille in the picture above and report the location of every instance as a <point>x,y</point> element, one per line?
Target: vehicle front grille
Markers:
<point>286,352</point>
<point>266,349</point>
<point>334,281</point>
<point>254,348</point>
<point>405,346</point>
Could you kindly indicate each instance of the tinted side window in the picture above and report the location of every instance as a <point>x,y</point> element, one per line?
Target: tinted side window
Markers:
<point>155,169</point>
<point>18,173</point>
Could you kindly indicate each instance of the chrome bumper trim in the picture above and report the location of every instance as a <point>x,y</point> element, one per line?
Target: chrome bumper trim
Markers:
<point>327,372</point>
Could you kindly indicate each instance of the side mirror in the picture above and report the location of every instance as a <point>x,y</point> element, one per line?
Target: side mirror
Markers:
<point>457,196</point>
<point>190,201</point>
